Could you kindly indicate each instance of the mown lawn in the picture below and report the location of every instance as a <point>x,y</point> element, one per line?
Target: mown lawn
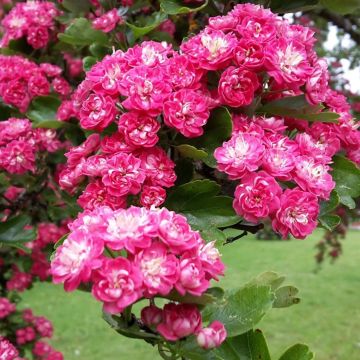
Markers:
<point>328,317</point>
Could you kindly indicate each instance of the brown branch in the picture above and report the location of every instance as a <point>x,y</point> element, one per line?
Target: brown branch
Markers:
<point>341,22</point>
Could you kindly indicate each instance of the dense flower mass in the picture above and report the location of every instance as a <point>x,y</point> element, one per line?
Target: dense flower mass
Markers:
<point>34,20</point>
<point>246,58</point>
<point>164,255</point>
<point>20,145</point>
<point>21,80</point>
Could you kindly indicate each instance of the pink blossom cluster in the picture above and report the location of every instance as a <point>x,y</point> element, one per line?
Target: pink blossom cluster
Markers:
<point>34,20</point>
<point>177,321</point>
<point>21,80</point>
<point>108,21</point>
<point>262,157</point>
<point>163,256</point>
<point>29,332</point>
<point>20,144</point>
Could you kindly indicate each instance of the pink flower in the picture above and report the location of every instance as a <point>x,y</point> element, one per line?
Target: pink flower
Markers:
<point>117,284</point>
<point>187,111</point>
<point>19,281</point>
<point>146,89</point>
<point>313,176</point>
<point>132,228</point>
<point>123,175</point>
<point>179,321</point>
<point>95,194</point>
<point>192,278</point>
<point>41,348</point>
<point>97,112</point>
<point>50,70</point>
<point>61,86</point>
<point>237,86</point>
<point>182,73</point>
<point>240,155</point>
<point>7,350</point>
<point>175,232</point>
<point>152,196</point>
<point>211,260</point>
<point>107,22</point>
<point>287,62</point>
<point>38,37</point>
<point>212,336</point>
<point>25,335</point>
<point>139,129</point>
<point>167,26</point>
<point>65,111</point>
<point>38,85</point>
<point>297,214</point>
<point>317,83</point>
<point>249,54</point>
<point>75,260</point>
<point>257,196</point>
<point>151,316</point>
<point>16,94</point>
<point>6,307</point>
<point>211,49</point>
<point>43,326</point>
<point>160,270</point>
<point>76,153</point>
<point>159,169</point>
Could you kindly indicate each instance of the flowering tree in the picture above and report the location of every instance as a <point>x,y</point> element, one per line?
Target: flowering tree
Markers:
<point>186,144</point>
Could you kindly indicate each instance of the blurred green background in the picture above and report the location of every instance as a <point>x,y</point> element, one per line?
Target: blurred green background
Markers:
<point>327,319</point>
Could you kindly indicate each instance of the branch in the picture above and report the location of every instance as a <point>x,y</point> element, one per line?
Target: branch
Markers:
<point>253,229</point>
<point>342,22</point>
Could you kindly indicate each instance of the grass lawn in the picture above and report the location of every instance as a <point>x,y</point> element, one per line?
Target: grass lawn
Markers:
<point>327,319</point>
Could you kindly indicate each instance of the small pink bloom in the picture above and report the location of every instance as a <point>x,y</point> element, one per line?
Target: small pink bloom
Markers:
<point>43,326</point>
<point>192,278</point>
<point>76,153</point>
<point>139,129</point>
<point>175,232</point>
<point>211,260</point>
<point>7,350</point>
<point>159,269</point>
<point>108,21</point>
<point>123,175</point>
<point>38,85</point>
<point>297,214</point>
<point>257,196</point>
<point>75,260</point>
<point>117,284</point>
<point>38,37</point>
<point>151,316</point>
<point>152,196</point>
<point>187,111</point>
<point>179,321</point>
<point>317,83</point>
<point>313,176</point>
<point>97,112</point>
<point>61,86</point>
<point>241,154</point>
<point>237,86</point>
<point>25,335</point>
<point>6,307</point>
<point>212,336</point>
<point>249,54</point>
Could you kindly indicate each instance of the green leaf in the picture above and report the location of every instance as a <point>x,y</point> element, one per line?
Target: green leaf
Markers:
<point>217,130</point>
<point>329,222</point>
<point>347,177</point>
<point>249,346</point>
<point>298,352</point>
<point>175,7</point>
<point>42,112</point>
<point>12,232</point>
<point>329,205</point>
<point>281,6</point>
<point>191,152</point>
<point>76,7</point>
<point>241,310</point>
<point>89,62</point>
<point>285,297</point>
<point>268,278</point>
<point>298,108</point>
<point>81,33</point>
<point>199,202</point>
<point>341,7</point>
<point>152,22</point>
<point>190,350</point>
<point>98,51</point>
<point>213,234</point>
